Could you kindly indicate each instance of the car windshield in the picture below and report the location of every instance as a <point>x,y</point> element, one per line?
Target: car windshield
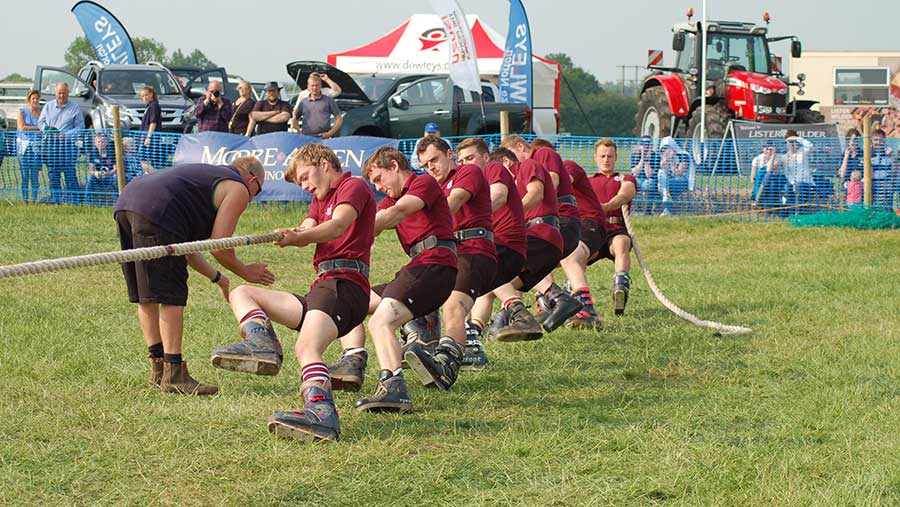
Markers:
<point>374,87</point>
<point>730,50</point>
<point>130,82</point>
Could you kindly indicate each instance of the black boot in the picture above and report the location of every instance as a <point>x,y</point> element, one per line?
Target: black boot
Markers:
<point>422,330</point>
<point>544,307</point>
<point>390,395</point>
<point>349,372</point>
<point>474,358</point>
<point>260,352</point>
<point>439,369</point>
<point>501,319</point>
<point>522,325</point>
<point>318,420</point>
<point>564,307</point>
<point>621,286</point>
<point>587,318</point>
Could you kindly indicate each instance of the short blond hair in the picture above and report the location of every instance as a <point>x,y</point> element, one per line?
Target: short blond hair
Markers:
<point>606,142</point>
<point>250,165</point>
<point>511,141</point>
<point>311,154</point>
<point>382,158</point>
<point>474,142</point>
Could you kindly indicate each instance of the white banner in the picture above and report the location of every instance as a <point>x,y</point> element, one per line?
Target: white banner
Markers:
<point>463,61</point>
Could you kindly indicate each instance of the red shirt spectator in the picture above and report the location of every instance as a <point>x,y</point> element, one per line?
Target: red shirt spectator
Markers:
<point>356,242</point>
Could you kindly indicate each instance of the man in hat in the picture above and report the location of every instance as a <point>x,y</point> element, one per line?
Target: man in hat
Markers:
<point>316,111</point>
<point>270,115</point>
<point>431,130</point>
<point>213,110</point>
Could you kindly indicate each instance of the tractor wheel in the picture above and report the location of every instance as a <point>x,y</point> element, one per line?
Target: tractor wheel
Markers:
<point>809,116</point>
<point>717,116</point>
<point>653,117</point>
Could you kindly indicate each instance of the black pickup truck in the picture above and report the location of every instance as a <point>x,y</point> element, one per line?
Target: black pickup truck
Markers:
<point>399,106</point>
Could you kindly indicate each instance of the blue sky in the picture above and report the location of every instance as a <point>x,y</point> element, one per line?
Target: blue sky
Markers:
<point>256,39</point>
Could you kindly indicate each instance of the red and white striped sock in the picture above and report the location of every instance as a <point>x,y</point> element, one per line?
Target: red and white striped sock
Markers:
<point>316,372</point>
<point>510,301</point>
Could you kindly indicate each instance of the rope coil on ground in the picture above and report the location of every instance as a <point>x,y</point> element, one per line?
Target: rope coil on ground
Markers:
<point>693,319</point>
<point>137,254</point>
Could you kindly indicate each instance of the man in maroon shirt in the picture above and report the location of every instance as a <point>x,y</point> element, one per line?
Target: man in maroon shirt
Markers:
<point>509,238</point>
<point>468,196</point>
<point>593,237</point>
<point>569,225</point>
<point>614,190</point>
<point>341,224</point>
<point>544,250</point>
<point>416,207</point>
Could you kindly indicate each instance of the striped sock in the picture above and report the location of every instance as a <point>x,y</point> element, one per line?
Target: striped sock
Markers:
<point>316,372</point>
<point>510,301</point>
<point>254,315</point>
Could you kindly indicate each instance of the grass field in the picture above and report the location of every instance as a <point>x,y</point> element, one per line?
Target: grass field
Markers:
<point>649,411</point>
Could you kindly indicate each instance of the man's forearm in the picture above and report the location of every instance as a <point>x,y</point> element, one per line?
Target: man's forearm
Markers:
<point>229,260</point>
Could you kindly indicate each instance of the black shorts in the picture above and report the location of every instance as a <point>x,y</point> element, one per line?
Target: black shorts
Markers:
<point>593,235</point>
<point>476,273</point>
<point>344,301</point>
<point>570,228</point>
<point>422,288</point>
<point>157,281</point>
<point>509,264</point>
<point>541,259</point>
<point>604,251</point>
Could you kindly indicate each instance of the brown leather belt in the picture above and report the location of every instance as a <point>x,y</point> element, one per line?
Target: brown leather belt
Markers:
<point>615,220</point>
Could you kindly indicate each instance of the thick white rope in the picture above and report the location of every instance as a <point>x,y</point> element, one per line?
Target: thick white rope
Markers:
<point>693,319</point>
<point>137,254</point>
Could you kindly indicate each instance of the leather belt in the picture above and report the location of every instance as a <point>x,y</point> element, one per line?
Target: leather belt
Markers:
<point>615,220</point>
<point>474,233</point>
<point>550,220</point>
<point>567,199</point>
<point>351,264</point>
<point>431,242</point>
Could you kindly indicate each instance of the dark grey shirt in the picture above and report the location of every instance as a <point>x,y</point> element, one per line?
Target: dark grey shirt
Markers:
<point>316,114</point>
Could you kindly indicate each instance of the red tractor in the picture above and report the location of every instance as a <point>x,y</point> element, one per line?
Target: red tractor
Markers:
<point>743,82</point>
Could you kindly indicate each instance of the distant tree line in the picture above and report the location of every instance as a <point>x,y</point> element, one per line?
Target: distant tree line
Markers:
<point>146,50</point>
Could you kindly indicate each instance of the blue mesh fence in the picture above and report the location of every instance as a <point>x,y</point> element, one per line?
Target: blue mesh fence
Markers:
<point>742,179</point>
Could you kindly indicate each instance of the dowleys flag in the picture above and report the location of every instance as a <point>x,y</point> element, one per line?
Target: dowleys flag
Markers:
<point>463,61</point>
<point>107,36</point>
<point>515,75</point>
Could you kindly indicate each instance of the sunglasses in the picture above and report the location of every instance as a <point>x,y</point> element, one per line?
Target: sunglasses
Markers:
<point>258,185</point>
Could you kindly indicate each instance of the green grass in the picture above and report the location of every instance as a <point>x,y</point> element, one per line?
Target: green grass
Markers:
<point>649,411</point>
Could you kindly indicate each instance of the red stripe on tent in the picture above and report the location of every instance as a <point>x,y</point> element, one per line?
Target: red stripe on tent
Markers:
<point>379,47</point>
<point>484,46</point>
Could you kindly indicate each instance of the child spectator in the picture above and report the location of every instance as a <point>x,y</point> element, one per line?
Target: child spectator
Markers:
<point>102,177</point>
<point>854,188</point>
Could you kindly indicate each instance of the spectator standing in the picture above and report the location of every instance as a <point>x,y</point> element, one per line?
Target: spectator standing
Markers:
<point>270,115</point>
<point>61,121</point>
<point>767,182</point>
<point>213,110</point>
<point>243,106</point>
<point>673,173</point>
<point>431,130</point>
<point>316,111</point>
<point>151,151</point>
<point>28,146</point>
<point>796,167</point>
<point>854,188</point>
<point>853,159</point>
<point>882,169</point>
<point>333,91</point>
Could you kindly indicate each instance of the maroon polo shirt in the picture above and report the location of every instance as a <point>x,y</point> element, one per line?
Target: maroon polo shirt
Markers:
<point>550,159</point>
<point>589,206</point>
<point>606,187</point>
<point>525,172</point>
<point>476,212</point>
<point>356,242</point>
<point>433,219</point>
<point>509,219</point>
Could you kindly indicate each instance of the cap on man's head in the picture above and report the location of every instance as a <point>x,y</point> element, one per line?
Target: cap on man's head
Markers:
<point>272,85</point>
<point>646,140</point>
<point>432,127</point>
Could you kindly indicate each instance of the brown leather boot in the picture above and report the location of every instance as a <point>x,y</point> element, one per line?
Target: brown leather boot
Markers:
<point>176,379</point>
<point>156,370</point>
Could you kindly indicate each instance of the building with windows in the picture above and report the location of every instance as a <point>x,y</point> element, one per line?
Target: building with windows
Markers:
<point>851,85</point>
